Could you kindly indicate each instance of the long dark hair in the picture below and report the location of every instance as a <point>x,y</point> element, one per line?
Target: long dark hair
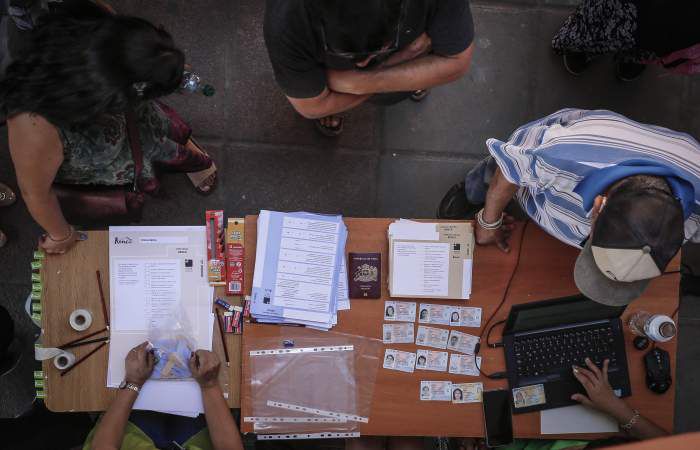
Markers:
<point>83,63</point>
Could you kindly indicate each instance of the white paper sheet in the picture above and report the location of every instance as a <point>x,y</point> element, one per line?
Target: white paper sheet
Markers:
<point>576,419</point>
<point>420,269</point>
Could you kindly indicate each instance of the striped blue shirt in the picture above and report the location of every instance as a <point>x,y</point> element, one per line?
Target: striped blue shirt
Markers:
<point>549,158</point>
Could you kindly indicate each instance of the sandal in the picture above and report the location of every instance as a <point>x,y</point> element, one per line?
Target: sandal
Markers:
<point>7,196</point>
<point>204,178</point>
<point>419,95</point>
<point>330,131</point>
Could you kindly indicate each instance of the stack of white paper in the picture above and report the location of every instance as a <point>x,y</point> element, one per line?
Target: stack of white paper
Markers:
<point>300,272</point>
<point>430,260</point>
<point>156,272</point>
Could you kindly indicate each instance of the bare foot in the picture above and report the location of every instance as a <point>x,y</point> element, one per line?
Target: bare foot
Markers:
<point>203,180</point>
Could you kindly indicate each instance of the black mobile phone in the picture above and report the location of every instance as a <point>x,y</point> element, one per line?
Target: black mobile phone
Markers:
<point>498,418</point>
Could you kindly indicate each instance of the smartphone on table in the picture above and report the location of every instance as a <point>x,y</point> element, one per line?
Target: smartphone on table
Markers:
<point>498,418</point>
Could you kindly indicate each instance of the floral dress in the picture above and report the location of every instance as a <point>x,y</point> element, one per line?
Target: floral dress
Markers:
<point>100,154</point>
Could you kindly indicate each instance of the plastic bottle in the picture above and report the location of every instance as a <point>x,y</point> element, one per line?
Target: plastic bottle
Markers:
<point>657,327</point>
<point>191,82</point>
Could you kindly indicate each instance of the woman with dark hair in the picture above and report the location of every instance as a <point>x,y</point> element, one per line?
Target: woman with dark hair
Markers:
<point>87,78</point>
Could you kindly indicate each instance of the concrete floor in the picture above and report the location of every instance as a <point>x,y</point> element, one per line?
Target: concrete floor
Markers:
<point>394,161</point>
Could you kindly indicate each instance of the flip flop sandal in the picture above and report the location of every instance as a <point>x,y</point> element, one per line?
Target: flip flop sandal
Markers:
<point>330,131</point>
<point>419,95</point>
<point>7,196</point>
<point>198,178</point>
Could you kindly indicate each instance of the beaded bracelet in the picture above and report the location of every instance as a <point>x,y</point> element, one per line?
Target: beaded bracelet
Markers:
<point>488,226</point>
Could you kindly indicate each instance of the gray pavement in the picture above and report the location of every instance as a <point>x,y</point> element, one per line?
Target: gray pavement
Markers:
<point>394,161</point>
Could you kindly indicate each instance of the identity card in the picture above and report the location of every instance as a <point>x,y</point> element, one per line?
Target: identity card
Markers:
<point>467,392</point>
<point>397,333</point>
<point>431,360</point>
<point>432,337</point>
<point>464,316</point>
<point>400,311</point>
<point>461,342</point>
<point>437,314</point>
<point>464,364</point>
<point>436,390</point>
<point>529,396</point>
<point>398,360</point>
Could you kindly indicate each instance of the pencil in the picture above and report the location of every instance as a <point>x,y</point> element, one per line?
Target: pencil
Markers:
<point>64,372</point>
<point>70,343</point>
<point>78,344</point>
<point>223,338</point>
<point>102,299</point>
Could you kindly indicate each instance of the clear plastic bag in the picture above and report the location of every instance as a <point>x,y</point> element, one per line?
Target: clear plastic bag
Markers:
<point>310,381</point>
<point>172,343</point>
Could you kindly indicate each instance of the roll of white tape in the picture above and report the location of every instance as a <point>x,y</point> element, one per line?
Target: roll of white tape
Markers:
<point>64,360</point>
<point>80,319</point>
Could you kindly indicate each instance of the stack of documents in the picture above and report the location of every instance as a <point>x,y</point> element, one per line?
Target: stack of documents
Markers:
<point>156,272</point>
<point>430,260</point>
<point>300,270</point>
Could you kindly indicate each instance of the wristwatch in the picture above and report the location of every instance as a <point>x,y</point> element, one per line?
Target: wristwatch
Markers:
<point>126,385</point>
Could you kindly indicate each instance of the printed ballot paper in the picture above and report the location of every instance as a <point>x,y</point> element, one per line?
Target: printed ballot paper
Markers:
<point>299,263</point>
<point>155,273</point>
<point>430,260</point>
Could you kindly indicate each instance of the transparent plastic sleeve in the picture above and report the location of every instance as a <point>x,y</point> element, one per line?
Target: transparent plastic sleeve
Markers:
<point>312,382</point>
<point>172,343</point>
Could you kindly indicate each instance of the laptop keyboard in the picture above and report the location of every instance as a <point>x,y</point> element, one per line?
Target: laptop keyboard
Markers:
<point>556,352</point>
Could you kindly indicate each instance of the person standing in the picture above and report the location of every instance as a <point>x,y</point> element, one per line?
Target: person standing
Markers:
<point>637,32</point>
<point>625,193</point>
<point>331,56</point>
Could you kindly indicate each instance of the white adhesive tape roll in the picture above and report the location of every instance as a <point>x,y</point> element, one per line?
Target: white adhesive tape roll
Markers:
<point>80,319</point>
<point>64,360</point>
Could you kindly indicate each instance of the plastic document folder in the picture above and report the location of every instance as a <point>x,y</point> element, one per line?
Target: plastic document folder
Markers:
<point>300,272</point>
<point>430,260</point>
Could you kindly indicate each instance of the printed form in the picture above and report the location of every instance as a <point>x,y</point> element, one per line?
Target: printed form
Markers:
<point>157,273</point>
<point>420,268</point>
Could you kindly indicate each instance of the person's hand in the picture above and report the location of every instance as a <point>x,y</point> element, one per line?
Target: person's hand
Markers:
<point>600,393</point>
<point>204,366</point>
<point>139,364</point>
<point>58,245</point>
<point>499,236</point>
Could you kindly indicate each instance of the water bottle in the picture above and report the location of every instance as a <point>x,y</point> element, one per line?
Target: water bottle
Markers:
<point>657,327</point>
<point>191,82</point>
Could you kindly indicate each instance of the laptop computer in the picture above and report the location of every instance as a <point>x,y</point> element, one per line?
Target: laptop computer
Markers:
<point>543,339</point>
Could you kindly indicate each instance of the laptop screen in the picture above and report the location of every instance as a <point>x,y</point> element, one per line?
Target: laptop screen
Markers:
<point>558,312</point>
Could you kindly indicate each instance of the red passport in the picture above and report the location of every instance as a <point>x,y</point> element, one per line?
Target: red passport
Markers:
<point>365,275</point>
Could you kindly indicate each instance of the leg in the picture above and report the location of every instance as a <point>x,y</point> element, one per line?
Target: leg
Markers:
<point>366,443</point>
<point>464,199</point>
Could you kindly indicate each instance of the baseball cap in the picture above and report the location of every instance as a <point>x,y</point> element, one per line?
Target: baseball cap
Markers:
<point>635,236</point>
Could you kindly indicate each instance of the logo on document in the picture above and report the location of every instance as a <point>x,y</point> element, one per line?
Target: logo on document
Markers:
<point>365,273</point>
<point>122,240</point>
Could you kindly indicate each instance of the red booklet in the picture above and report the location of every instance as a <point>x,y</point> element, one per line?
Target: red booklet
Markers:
<point>365,275</point>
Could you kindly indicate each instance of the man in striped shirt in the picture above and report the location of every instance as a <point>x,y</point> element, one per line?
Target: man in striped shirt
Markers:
<point>626,193</point>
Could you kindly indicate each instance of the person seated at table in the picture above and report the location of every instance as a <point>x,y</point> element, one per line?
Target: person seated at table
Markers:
<point>67,98</point>
<point>626,193</point>
<point>599,396</point>
<point>120,428</point>
<point>331,56</point>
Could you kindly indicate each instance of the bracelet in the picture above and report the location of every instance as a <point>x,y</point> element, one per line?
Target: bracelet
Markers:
<point>70,235</point>
<point>488,226</point>
<point>635,418</point>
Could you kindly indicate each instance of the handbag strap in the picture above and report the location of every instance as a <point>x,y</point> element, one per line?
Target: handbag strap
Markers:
<point>135,144</point>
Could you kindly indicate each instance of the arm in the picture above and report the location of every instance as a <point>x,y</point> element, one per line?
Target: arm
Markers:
<point>326,104</point>
<point>110,431</point>
<point>223,431</point>
<point>37,153</point>
<point>420,73</point>
<point>500,192</point>
<point>601,397</point>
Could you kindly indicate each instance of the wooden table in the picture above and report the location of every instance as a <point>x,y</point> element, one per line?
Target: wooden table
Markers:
<point>69,283</point>
<point>545,271</point>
